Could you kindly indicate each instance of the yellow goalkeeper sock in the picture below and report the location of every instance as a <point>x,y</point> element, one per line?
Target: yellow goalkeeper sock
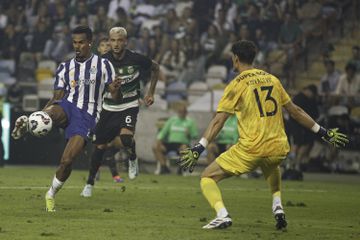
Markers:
<point>212,193</point>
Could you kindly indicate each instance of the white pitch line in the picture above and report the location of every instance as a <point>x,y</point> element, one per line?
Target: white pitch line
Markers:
<point>165,188</point>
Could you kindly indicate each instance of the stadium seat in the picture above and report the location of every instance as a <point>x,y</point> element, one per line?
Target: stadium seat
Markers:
<point>30,103</point>
<point>47,64</point>
<point>7,69</point>
<point>217,71</point>
<point>45,88</point>
<point>196,90</point>
<point>43,73</point>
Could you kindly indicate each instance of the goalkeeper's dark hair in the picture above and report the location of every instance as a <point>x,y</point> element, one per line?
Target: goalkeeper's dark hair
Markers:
<point>245,51</point>
<point>83,30</point>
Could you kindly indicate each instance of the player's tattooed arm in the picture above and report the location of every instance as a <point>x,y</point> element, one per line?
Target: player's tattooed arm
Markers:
<point>154,76</point>
<point>58,95</point>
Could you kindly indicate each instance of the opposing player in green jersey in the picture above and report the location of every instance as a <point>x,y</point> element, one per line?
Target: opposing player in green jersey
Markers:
<point>119,117</point>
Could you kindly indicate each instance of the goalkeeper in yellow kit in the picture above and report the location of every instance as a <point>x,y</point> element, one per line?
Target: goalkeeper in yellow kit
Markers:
<point>257,98</point>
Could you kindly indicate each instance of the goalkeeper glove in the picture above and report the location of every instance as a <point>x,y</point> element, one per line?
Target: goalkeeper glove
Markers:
<point>333,137</point>
<point>190,156</point>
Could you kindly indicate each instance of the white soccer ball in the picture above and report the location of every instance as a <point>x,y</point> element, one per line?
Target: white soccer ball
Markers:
<point>40,124</point>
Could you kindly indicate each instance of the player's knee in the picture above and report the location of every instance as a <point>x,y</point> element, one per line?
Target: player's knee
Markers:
<point>127,140</point>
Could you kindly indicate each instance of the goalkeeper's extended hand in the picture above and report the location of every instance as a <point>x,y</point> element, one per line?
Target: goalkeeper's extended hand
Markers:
<point>333,137</point>
<point>190,156</point>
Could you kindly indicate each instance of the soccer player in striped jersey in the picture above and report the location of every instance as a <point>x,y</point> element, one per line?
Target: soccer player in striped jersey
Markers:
<point>76,103</point>
<point>119,117</point>
<point>257,98</point>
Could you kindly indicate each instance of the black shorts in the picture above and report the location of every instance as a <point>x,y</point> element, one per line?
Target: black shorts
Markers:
<point>110,124</point>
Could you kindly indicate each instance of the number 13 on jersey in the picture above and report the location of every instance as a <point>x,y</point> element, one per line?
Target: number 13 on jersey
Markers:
<point>265,90</point>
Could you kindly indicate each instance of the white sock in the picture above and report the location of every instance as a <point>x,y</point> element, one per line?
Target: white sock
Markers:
<point>55,187</point>
<point>276,203</point>
<point>222,213</point>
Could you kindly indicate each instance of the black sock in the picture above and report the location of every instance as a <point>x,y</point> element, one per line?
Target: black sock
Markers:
<point>132,152</point>
<point>96,159</point>
<point>110,160</point>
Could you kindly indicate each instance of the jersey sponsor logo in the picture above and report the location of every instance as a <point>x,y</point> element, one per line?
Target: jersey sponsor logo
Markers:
<point>84,81</point>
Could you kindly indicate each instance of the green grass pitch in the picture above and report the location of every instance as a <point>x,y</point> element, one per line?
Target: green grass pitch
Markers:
<point>172,207</point>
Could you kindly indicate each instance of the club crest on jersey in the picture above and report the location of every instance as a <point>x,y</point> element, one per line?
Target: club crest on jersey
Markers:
<point>73,83</point>
<point>130,69</point>
<point>93,70</point>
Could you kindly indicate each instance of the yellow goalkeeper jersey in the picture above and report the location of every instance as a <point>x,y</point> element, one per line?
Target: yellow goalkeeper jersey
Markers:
<point>257,97</point>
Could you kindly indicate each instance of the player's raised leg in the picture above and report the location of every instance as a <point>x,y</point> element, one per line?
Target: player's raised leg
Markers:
<point>209,178</point>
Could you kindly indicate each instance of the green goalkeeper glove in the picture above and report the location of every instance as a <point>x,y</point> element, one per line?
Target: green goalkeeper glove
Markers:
<point>333,137</point>
<point>190,156</point>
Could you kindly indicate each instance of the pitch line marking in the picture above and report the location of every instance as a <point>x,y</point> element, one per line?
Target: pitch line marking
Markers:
<point>164,188</point>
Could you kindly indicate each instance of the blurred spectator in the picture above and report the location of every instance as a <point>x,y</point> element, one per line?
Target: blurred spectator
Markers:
<point>290,39</point>
<point>115,5</point>
<point>356,58</point>
<point>271,15</point>
<point>176,135</point>
<point>61,16</point>
<point>143,11</point>
<point>222,24</point>
<point>59,45</point>
<point>329,81</point>
<point>153,51</point>
<point>225,12</point>
<point>330,12</point>
<point>349,82</point>
<point>12,43</point>
<point>122,18</point>
<point>210,42</point>
<point>253,20</point>
<point>103,46</point>
<point>81,16</point>
<point>203,12</point>
<point>143,41</point>
<point>289,7</point>
<point>303,139</point>
<point>171,23</point>
<point>173,61</point>
<point>40,36</point>
<point>309,15</point>
<point>188,22</point>
<point>3,18</point>
<point>102,23</point>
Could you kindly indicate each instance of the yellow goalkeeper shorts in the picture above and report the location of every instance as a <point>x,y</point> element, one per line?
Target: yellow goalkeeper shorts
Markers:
<point>238,162</point>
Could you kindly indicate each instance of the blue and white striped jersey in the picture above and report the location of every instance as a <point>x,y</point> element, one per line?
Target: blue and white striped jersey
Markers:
<point>84,82</point>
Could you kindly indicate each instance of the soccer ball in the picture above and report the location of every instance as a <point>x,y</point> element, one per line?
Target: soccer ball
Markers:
<point>40,124</point>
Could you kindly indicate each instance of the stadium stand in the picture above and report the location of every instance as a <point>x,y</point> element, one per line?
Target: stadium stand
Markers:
<point>190,39</point>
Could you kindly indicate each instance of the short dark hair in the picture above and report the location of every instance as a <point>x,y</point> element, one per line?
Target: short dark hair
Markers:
<point>245,50</point>
<point>83,29</point>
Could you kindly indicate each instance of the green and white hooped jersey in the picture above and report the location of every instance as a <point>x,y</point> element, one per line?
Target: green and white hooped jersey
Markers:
<point>131,69</point>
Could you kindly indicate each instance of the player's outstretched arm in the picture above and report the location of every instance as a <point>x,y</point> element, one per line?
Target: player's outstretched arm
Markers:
<point>331,136</point>
<point>154,76</point>
<point>190,156</point>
